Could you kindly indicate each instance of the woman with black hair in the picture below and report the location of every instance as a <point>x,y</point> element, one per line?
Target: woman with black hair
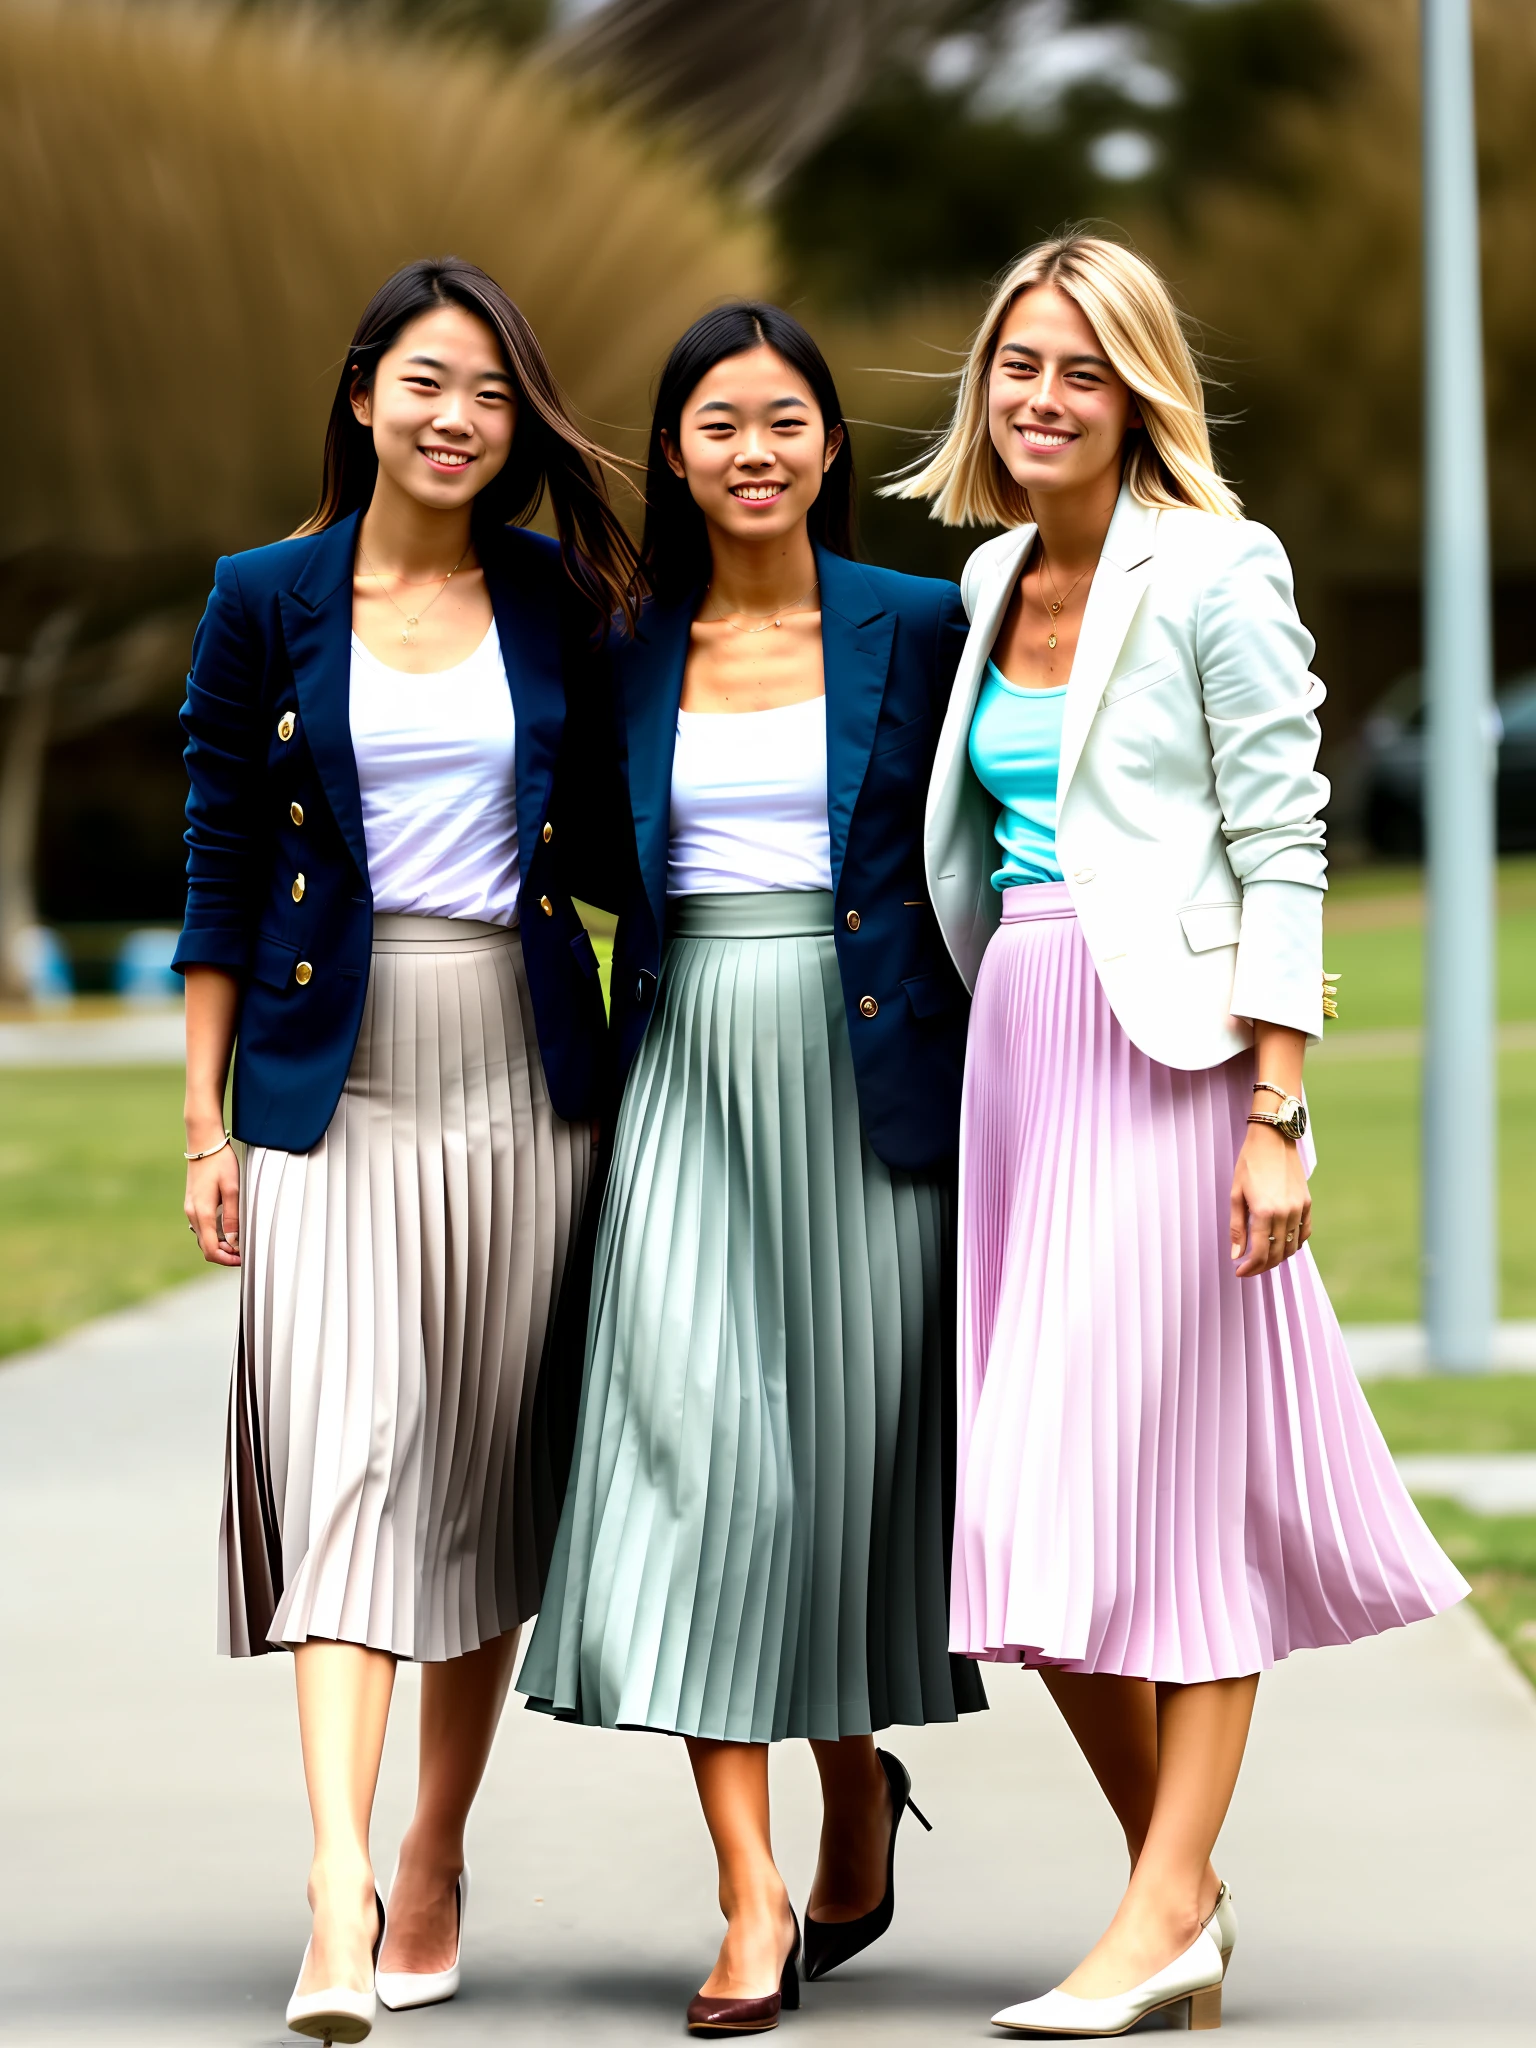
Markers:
<point>755,1533</point>
<point>389,719</point>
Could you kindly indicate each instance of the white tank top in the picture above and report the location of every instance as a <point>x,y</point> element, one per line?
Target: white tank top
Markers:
<point>749,801</point>
<point>437,767</point>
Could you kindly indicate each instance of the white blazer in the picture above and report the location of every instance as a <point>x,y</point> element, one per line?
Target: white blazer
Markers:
<point>1187,799</point>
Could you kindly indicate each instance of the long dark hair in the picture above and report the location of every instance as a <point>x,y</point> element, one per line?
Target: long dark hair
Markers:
<point>549,451</point>
<point>674,551</point>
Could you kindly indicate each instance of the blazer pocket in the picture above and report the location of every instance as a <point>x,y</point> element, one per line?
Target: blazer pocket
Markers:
<point>1141,678</point>
<point>894,737</point>
<point>931,995</point>
<point>1208,925</point>
<point>272,963</point>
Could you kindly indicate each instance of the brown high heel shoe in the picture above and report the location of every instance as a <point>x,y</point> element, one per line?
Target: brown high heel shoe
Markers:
<point>749,2015</point>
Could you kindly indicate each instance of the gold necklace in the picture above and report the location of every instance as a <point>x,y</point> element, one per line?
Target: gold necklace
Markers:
<point>412,619</point>
<point>768,618</point>
<point>1052,607</point>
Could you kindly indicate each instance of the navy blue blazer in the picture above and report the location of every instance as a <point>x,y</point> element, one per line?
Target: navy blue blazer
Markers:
<point>274,795</point>
<point>890,646</point>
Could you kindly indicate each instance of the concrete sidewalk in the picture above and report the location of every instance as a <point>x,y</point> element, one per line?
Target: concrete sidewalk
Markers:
<point>152,1037</point>
<point>153,1836</point>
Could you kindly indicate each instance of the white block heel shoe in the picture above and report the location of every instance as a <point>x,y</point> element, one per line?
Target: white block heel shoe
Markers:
<point>1193,1978</point>
<point>1221,1924</point>
<point>400,1990</point>
<point>336,2014</point>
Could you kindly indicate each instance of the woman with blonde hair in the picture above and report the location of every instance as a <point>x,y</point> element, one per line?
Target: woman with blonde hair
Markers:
<point>1168,1477</point>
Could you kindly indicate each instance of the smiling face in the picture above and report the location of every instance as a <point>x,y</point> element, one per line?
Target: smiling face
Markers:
<point>752,446</point>
<point>1057,409</point>
<point>442,409</point>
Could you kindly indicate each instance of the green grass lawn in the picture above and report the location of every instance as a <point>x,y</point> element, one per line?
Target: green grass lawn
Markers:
<point>91,1181</point>
<point>90,1173</point>
<point>1497,1555</point>
<point>1366,1111</point>
<point>1493,1412</point>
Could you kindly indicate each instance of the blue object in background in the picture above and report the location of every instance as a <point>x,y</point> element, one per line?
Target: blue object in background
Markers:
<point>144,973</point>
<point>45,965</point>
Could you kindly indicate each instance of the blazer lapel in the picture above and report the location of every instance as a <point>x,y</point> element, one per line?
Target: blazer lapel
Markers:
<point>317,632</point>
<point>650,669</point>
<point>857,635</point>
<point>528,627</point>
<point>951,763</point>
<point>1125,569</point>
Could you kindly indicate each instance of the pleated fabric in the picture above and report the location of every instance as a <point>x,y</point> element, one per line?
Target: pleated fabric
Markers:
<point>397,1289</point>
<point>1164,1471</point>
<point>754,1541</point>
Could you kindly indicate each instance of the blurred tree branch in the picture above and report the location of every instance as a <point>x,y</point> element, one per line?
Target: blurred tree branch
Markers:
<point>1043,112</point>
<point>757,87</point>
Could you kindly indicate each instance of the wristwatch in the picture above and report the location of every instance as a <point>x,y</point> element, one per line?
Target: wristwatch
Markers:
<point>1290,1120</point>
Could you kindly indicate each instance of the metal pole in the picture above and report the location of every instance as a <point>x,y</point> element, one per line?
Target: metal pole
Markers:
<point>1460,1071</point>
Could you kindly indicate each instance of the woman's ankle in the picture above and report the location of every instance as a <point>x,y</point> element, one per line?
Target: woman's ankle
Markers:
<point>437,1856</point>
<point>336,1876</point>
<point>759,1896</point>
<point>852,1776</point>
<point>1169,1914</point>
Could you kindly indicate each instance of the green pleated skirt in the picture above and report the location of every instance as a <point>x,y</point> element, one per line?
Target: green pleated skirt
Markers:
<point>755,1536</point>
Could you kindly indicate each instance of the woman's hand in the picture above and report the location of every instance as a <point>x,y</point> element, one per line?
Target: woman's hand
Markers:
<point>1271,1207</point>
<point>212,1206</point>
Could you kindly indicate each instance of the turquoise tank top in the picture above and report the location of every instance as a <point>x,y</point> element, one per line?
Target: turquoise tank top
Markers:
<point>1016,752</point>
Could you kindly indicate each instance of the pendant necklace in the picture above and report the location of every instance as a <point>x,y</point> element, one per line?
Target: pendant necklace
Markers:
<point>1052,606</point>
<point>412,619</point>
<point>768,618</point>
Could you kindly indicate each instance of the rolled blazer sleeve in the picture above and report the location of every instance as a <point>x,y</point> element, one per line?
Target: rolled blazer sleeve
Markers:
<point>221,718</point>
<point>1261,702</point>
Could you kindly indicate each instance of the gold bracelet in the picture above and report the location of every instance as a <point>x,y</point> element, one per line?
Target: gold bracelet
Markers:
<point>191,1156</point>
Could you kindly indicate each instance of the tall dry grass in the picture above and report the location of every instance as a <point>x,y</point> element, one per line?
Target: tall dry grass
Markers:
<point>194,208</point>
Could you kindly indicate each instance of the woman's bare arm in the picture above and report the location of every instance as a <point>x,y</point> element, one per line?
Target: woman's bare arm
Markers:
<point>213,1184</point>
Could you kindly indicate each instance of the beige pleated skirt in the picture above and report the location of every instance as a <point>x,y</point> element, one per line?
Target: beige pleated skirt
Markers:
<point>398,1288</point>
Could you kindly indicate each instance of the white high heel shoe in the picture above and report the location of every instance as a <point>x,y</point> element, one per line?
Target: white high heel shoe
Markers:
<point>335,2014</point>
<point>1193,1978</point>
<point>1221,1924</point>
<point>400,1990</point>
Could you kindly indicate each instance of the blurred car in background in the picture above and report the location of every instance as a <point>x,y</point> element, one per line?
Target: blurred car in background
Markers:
<point>1392,749</point>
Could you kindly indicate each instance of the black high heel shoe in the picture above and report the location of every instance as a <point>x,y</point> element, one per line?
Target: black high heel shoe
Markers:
<point>749,2015</point>
<point>831,1942</point>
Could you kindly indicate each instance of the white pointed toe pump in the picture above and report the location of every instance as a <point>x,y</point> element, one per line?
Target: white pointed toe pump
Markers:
<point>335,2015</point>
<point>1221,1924</point>
<point>400,1990</point>
<point>1192,1979</point>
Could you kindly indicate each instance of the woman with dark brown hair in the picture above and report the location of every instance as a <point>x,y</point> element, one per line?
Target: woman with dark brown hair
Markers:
<point>390,717</point>
<point>754,1544</point>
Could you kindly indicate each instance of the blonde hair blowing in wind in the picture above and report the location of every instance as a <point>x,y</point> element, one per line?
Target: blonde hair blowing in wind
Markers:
<point>1168,460</point>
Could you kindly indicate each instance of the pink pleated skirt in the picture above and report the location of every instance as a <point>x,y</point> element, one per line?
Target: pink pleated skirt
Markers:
<point>1165,1472</point>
